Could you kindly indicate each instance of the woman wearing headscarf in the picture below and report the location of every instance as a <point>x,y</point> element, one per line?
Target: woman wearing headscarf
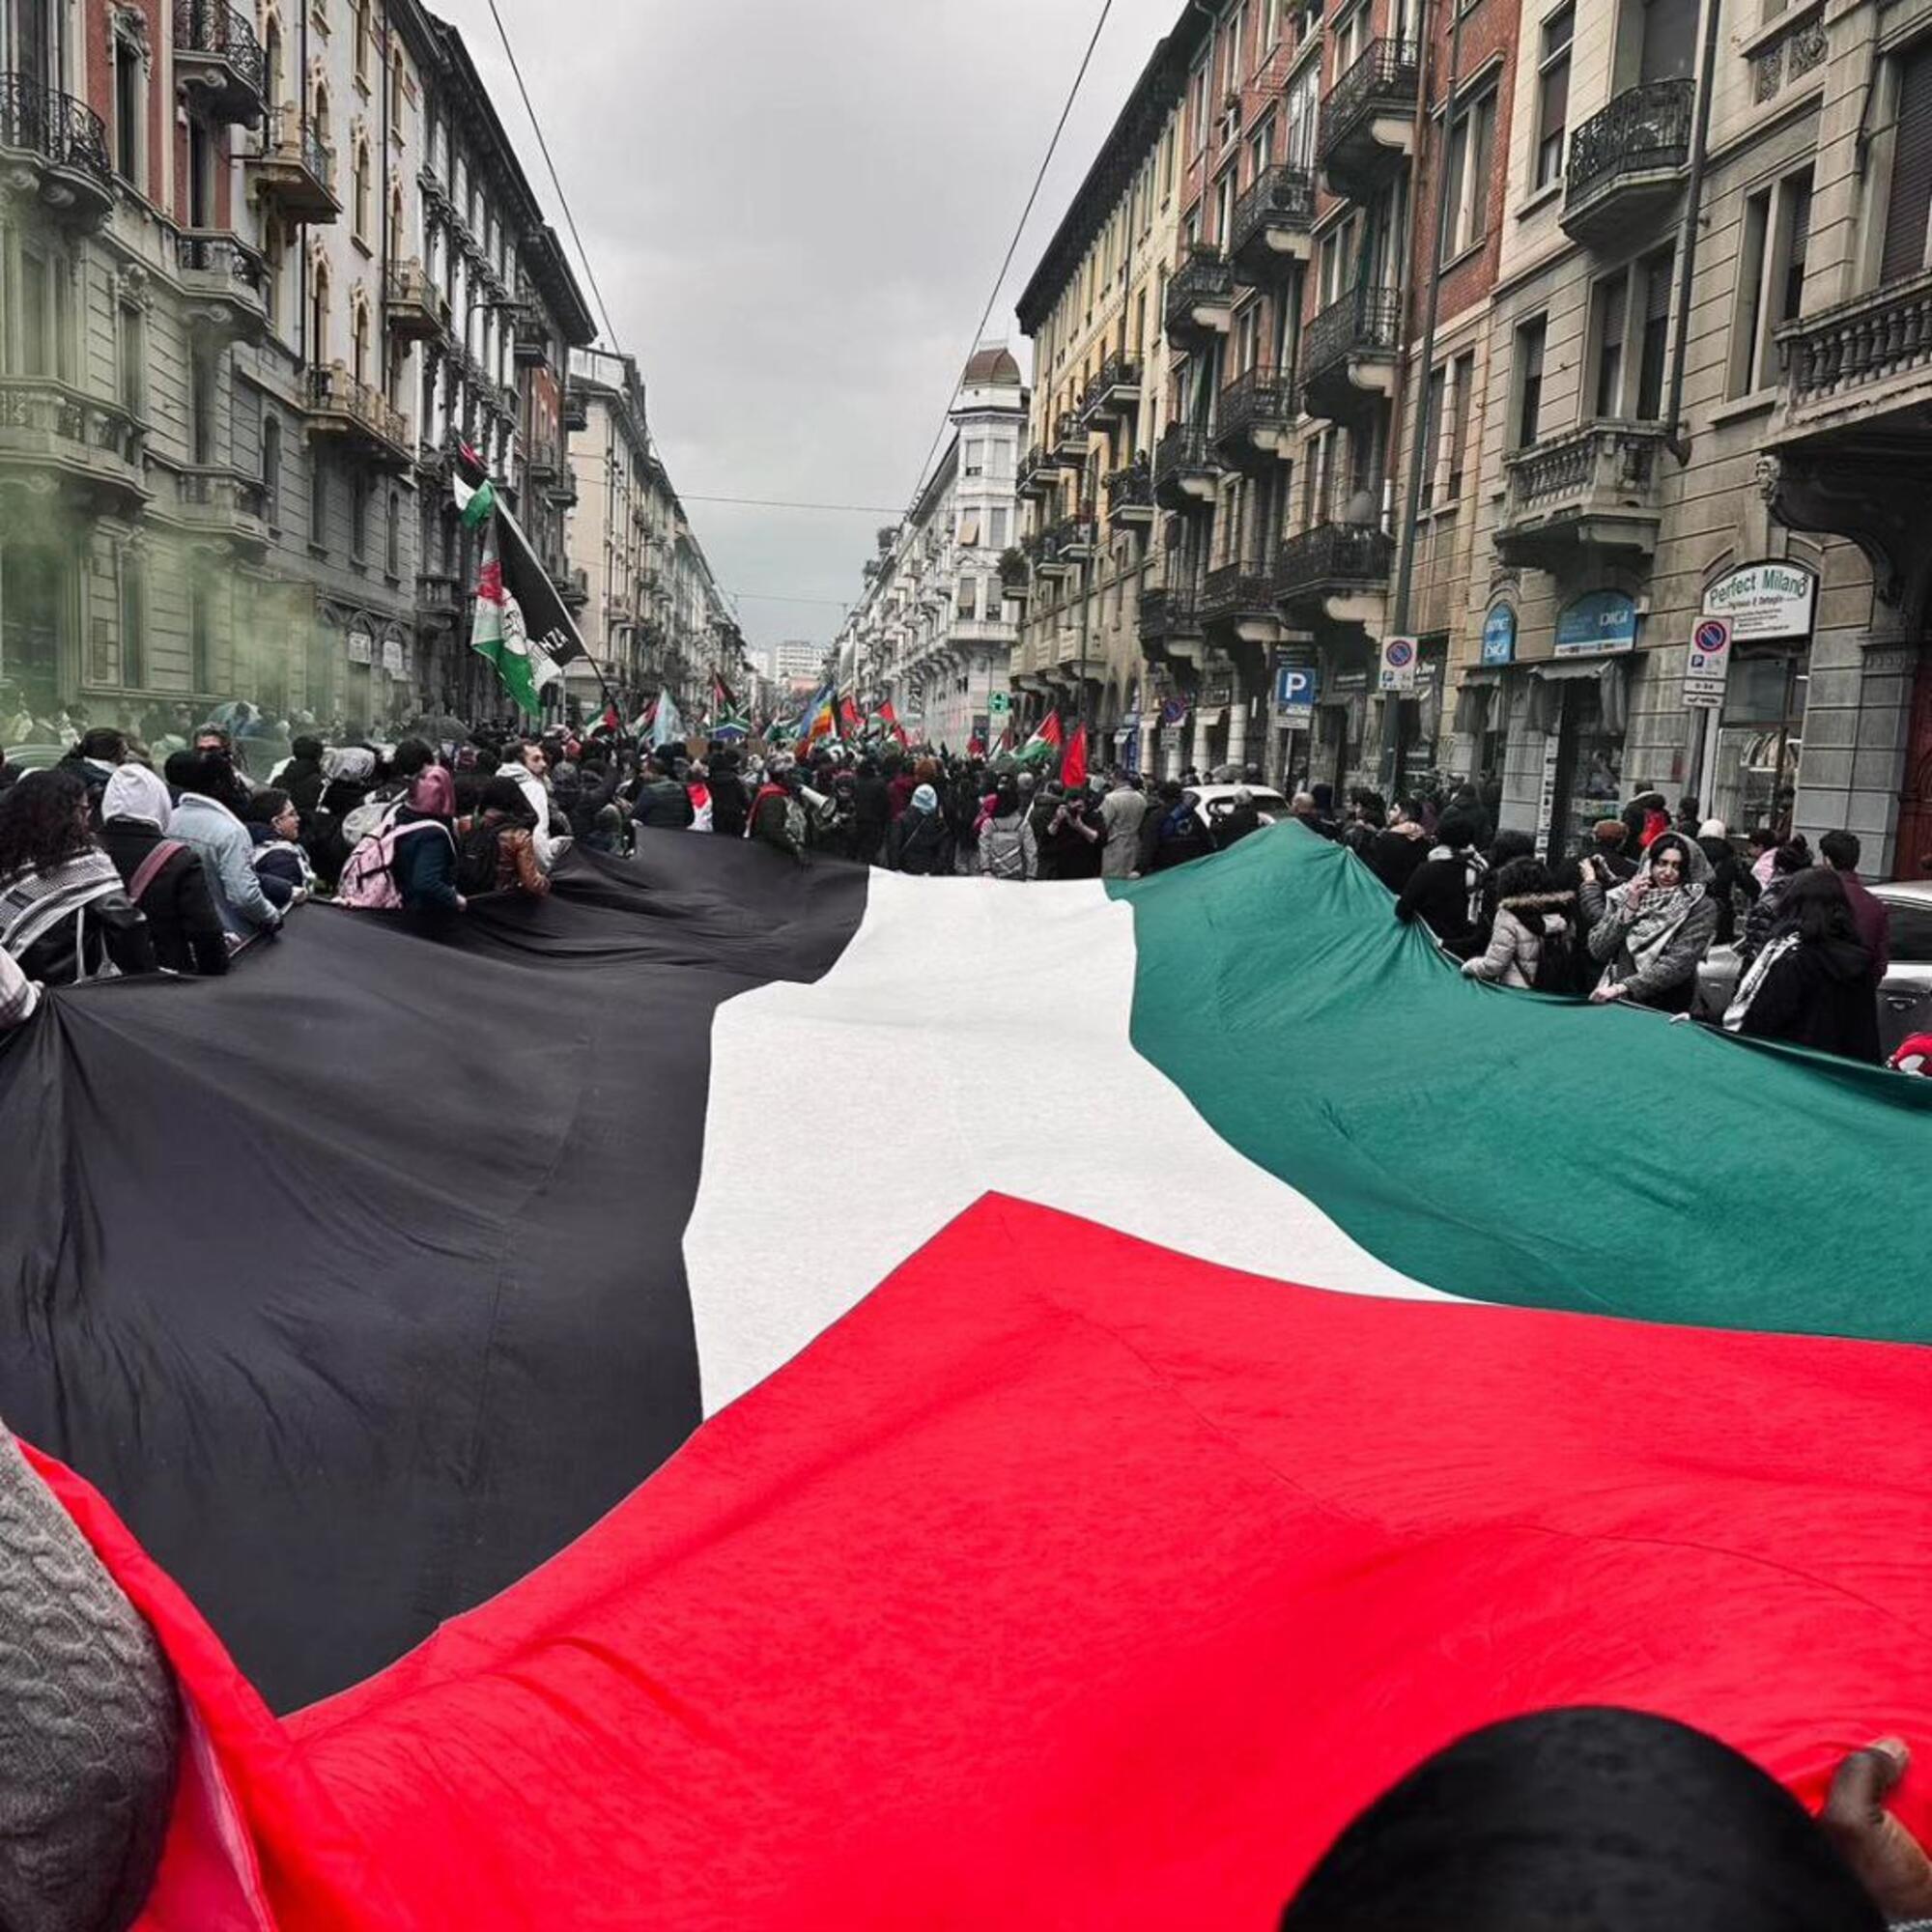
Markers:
<point>65,915</point>
<point>164,876</point>
<point>1650,934</point>
<point>348,771</point>
<point>425,865</point>
<point>922,839</point>
<point>1812,984</point>
<point>1731,880</point>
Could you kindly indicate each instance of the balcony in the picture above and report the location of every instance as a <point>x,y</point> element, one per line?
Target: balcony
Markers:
<point>572,585</point>
<point>1593,489</point>
<point>1348,353</point>
<point>575,413</point>
<point>225,503</point>
<point>1040,473</point>
<point>1240,600</point>
<point>359,418</point>
<point>1339,571</point>
<point>1251,427</point>
<point>92,448</point>
<point>1860,374</point>
<point>1366,132</point>
<point>528,336</point>
<point>218,60</point>
<point>1131,497</point>
<point>418,311</point>
<point>1074,541</point>
<point>1170,626</point>
<point>440,594</point>
<point>225,283</point>
<point>294,168</point>
<point>543,458</point>
<point>1271,224</point>
<point>561,489</point>
<point>1115,394</point>
<point>1628,164</point>
<point>1186,471</point>
<point>65,145</point>
<point>1200,298</point>
<point>1069,440</point>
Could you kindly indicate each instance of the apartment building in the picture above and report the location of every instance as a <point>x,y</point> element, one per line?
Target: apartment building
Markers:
<point>610,532</point>
<point>935,630</point>
<point>1096,311</point>
<point>1701,399</point>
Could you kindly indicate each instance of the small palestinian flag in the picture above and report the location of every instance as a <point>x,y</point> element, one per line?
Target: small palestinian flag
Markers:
<point>497,632</point>
<point>1043,747</point>
<point>1149,1526</point>
<point>889,720</point>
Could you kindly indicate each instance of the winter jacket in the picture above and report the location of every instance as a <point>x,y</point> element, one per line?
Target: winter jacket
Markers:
<point>536,795</point>
<point>71,922</point>
<point>180,909</point>
<point>1394,857</point>
<point>1762,919</point>
<point>1007,848</point>
<point>874,801</point>
<point>1234,825</point>
<point>778,819</point>
<point>1445,892</point>
<point>1669,980</point>
<point>227,854</point>
<point>1819,995</point>
<point>922,846</point>
<point>425,868</point>
<point>1517,939</point>
<point>730,804</point>
<point>1178,835</point>
<point>1732,883</point>
<point>898,793</point>
<point>302,778</point>
<point>1874,928</point>
<point>1123,812</point>
<point>663,804</point>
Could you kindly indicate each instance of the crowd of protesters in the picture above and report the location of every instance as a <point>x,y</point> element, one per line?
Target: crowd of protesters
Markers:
<point>119,860</point>
<point>1632,918</point>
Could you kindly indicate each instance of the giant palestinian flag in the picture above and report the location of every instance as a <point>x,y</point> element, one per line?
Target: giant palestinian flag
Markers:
<point>1221,1355</point>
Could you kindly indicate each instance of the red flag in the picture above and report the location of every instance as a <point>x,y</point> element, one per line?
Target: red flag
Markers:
<point>848,718</point>
<point>1073,765</point>
<point>611,722</point>
<point>976,745</point>
<point>890,719</point>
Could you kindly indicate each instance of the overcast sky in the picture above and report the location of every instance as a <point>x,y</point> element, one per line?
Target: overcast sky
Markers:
<point>794,209</point>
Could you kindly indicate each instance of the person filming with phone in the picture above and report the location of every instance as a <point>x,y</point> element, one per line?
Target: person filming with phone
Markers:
<point>1650,934</point>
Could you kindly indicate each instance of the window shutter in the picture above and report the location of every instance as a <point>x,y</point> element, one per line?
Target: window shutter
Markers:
<point>1909,203</point>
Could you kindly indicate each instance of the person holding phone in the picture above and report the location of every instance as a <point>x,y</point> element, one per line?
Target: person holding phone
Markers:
<point>1650,934</point>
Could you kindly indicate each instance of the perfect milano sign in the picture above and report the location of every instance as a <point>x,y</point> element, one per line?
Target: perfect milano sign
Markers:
<point>1755,604</point>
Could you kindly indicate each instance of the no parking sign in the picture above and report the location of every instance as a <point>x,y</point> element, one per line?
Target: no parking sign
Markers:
<point>1398,663</point>
<point>1707,669</point>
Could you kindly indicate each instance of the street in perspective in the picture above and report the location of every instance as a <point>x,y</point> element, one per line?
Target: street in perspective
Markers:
<point>965,966</point>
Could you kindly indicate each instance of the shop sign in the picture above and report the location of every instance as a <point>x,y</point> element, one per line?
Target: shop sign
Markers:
<point>1764,601</point>
<point>1499,635</point>
<point>361,645</point>
<point>1217,693</point>
<point>1599,621</point>
<point>1399,659</point>
<point>1346,682</point>
<point>392,656</point>
<point>1707,669</point>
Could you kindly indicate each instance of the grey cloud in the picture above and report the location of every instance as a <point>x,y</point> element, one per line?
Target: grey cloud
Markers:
<point>794,212</point>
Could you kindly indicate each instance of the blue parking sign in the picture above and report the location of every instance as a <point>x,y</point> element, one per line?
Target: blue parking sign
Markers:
<point>1295,686</point>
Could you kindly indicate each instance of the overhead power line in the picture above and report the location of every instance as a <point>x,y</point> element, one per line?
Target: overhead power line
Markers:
<point>1012,247</point>
<point>563,200</point>
<point>771,597</point>
<point>785,503</point>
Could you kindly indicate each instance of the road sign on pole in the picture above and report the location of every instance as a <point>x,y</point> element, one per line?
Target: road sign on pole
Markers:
<point>1707,669</point>
<point>1399,659</point>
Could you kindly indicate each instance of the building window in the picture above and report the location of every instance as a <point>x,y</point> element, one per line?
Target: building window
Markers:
<point>1530,339</point>
<point>997,526</point>
<point>130,96</point>
<point>1472,142</point>
<point>133,620</point>
<point>359,343</point>
<point>1908,207</point>
<point>1611,301</point>
<point>358,515</point>
<point>1461,382</point>
<point>272,470</point>
<point>317,316</point>
<point>133,370</point>
<point>1432,432</point>
<point>201,397</point>
<point>200,640</point>
<point>1770,283</point>
<point>364,36</point>
<point>318,501</point>
<point>1654,342</point>
<point>399,94</point>
<point>393,556</point>
<point>975,458</point>
<point>359,192</point>
<point>1552,95</point>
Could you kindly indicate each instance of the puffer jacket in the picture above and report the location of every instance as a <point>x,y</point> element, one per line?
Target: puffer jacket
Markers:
<point>1007,849</point>
<point>1515,940</point>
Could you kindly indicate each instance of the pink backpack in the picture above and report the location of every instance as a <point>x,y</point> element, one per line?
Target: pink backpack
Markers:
<point>368,881</point>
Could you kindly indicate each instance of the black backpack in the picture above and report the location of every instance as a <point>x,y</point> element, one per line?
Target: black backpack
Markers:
<point>1556,963</point>
<point>476,860</point>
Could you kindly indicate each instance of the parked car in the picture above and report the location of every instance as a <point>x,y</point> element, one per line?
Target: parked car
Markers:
<point>1904,1000</point>
<point>1213,801</point>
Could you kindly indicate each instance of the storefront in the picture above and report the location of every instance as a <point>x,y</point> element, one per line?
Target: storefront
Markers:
<point>1581,710</point>
<point>1340,729</point>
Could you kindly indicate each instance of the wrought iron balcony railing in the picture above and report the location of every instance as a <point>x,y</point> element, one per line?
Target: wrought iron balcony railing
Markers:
<point>219,256</point>
<point>1644,130</point>
<point>1182,450</point>
<point>214,27</point>
<point>1168,612</point>
<point>1206,276</point>
<point>1385,71</point>
<point>1130,489</point>
<point>1234,589</point>
<point>1872,338</point>
<point>1332,553</point>
<point>1278,197</point>
<point>1261,399</point>
<point>1364,322</point>
<point>63,131</point>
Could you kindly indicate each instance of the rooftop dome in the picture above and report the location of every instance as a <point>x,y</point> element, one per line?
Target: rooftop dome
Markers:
<point>994,367</point>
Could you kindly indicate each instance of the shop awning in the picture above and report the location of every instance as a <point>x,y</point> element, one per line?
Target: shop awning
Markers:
<point>1612,678</point>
